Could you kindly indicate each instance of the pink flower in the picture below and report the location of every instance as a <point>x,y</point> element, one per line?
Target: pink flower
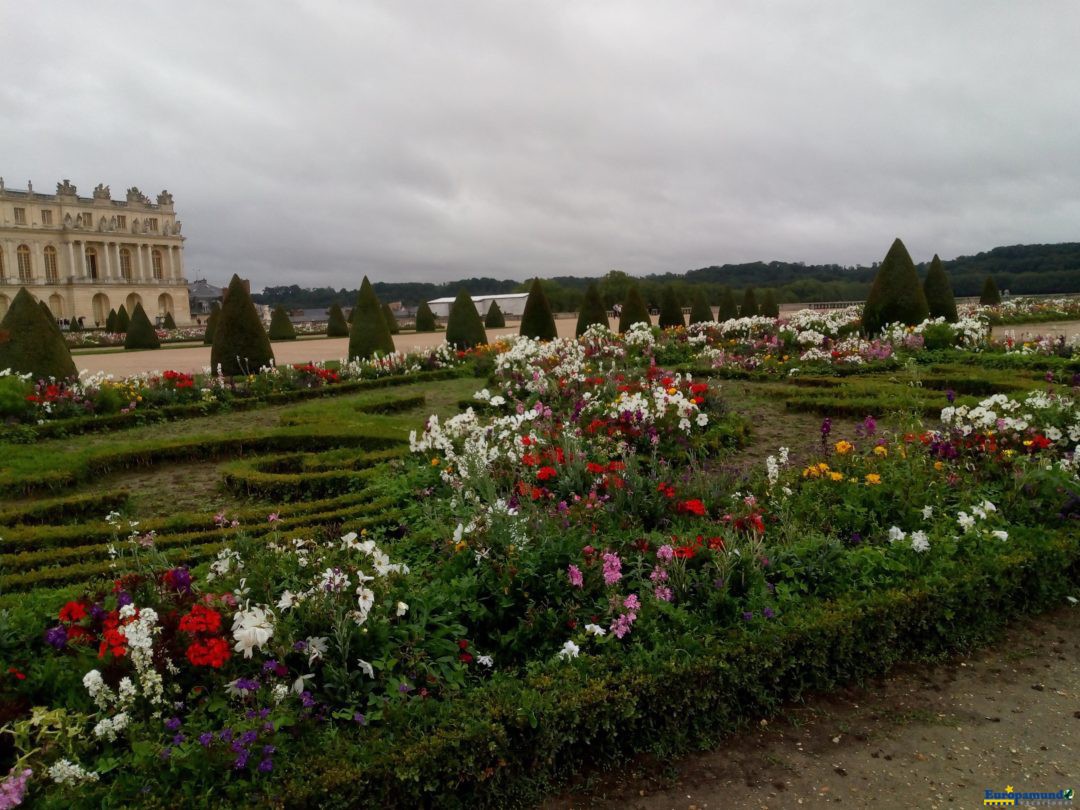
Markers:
<point>622,624</point>
<point>658,574</point>
<point>663,593</point>
<point>612,568</point>
<point>631,602</point>
<point>665,553</point>
<point>573,573</point>
<point>273,517</point>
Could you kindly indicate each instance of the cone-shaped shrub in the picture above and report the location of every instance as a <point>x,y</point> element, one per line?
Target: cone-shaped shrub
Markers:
<point>281,327</point>
<point>592,311</point>
<point>425,318</point>
<point>30,343</point>
<point>168,322</point>
<point>74,325</point>
<point>336,325</point>
<point>464,329</point>
<point>700,311</point>
<point>896,295</point>
<point>670,309</point>
<point>749,306</point>
<point>391,319</point>
<point>49,314</point>
<point>122,319</point>
<point>241,345</point>
<point>110,321</point>
<point>633,310</point>
<point>537,320</point>
<point>728,309</point>
<point>938,291</point>
<point>990,296</point>
<point>769,307</point>
<point>369,334</point>
<point>140,333</point>
<point>494,318</point>
<point>211,324</point>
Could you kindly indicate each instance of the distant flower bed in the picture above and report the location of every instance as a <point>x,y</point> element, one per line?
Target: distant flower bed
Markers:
<point>88,339</point>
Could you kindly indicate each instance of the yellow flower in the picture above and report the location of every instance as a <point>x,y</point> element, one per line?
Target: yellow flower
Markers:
<point>938,465</point>
<point>822,466</point>
<point>460,545</point>
<point>872,479</point>
<point>881,450</point>
<point>673,391</point>
<point>836,476</point>
<point>844,447</point>
<point>1009,453</point>
<point>434,462</point>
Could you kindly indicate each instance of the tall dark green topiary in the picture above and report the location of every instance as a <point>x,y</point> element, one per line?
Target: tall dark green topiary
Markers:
<point>938,292</point>
<point>391,319</point>
<point>464,329</point>
<point>769,307</point>
<point>168,322</point>
<point>241,345</point>
<point>336,325</point>
<point>141,333</point>
<point>990,296</point>
<point>281,327</point>
<point>749,306</point>
<point>896,296</point>
<point>537,320</point>
<point>633,309</point>
<point>700,311</point>
<point>31,344</point>
<point>425,318</point>
<point>670,309</point>
<point>369,335</point>
<point>122,319</point>
<point>592,311</point>
<point>211,324</point>
<point>494,318</point>
<point>48,313</point>
<point>728,309</point>
<point>111,321</point>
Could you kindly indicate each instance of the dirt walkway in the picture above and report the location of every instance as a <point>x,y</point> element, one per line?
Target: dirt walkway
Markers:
<point>930,737</point>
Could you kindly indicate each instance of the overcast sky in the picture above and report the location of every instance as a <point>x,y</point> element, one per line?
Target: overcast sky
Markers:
<point>312,143</point>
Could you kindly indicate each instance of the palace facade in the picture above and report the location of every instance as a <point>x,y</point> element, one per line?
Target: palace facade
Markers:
<point>86,255</point>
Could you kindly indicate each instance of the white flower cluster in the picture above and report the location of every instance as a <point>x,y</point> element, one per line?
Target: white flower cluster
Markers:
<point>226,561</point>
<point>1054,416</point>
<point>66,772</point>
<point>252,628</point>
<point>140,632</point>
<point>650,408</point>
<point>828,322</point>
<point>640,336</point>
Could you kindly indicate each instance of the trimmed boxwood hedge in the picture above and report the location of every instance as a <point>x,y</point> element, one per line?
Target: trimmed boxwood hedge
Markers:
<point>68,508</point>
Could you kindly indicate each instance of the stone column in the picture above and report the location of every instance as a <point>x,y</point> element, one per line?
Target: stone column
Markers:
<point>73,271</point>
<point>179,261</point>
<point>167,258</point>
<point>108,262</point>
<point>138,258</point>
<point>37,251</point>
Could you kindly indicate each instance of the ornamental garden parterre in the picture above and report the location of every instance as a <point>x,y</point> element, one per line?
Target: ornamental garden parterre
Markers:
<point>577,561</point>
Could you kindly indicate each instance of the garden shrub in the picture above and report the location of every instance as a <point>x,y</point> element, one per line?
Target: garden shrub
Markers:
<point>939,336</point>
<point>123,319</point>
<point>369,336</point>
<point>728,310</point>
<point>938,291</point>
<point>494,318</point>
<point>700,310</point>
<point>990,297</point>
<point>241,345</point>
<point>896,296</point>
<point>592,311</point>
<point>111,322</point>
<point>633,309</point>
<point>464,329</point>
<point>537,321</point>
<point>48,313</point>
<point>281,327</point>
<point>13,393</point>
<point>141,333</point>
<point>749,307</point>
<point>769,307</point>
<point>671,313</point>
<point>336,325</point>
<point>30,343</point>
<point>391,319</point>
<point>425,318</point>
<point>211,324</point>
<point>169,322</point>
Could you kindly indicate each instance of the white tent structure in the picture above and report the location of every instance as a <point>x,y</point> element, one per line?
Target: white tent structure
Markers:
<point>509,303</point>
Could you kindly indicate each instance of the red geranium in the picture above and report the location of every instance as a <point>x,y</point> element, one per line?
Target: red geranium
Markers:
<point>201,619</point>
<point>210,652</point>
<point>693,507</point>
<point>546,473</point>
<point>73,612</point>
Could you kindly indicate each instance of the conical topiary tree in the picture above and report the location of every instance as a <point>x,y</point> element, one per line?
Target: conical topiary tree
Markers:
<point>537,320</point>
<point>670,309</point>
<point>896,296</point>
<point>938,291</point>
<point>391,319</point>
<point>369,335</point>
<point>633,309</point>
<point>700,311</point>
<point>211,324</point>
<point>464,329</point>
<point>122,319</point>
<point>990,296</point>
<point>168,322</point>
<point>111,321</point>
<point>141,333</point>
<point>425,318</point>
<point>31,344</point>
<point>336,325</point>
<point>728,309</point>
<point>241,345</point>
<point>592,311</point>
<point>769,307</point>
<point>494,318</point>
<point>749,306</point>
<point>50,315</point>
<point>281,327</point>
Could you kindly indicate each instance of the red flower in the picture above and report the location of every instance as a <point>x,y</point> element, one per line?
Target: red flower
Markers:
<point>73,612</point>
<point>463,644</point>
<point>685,552</point>
<point>529,460</point>
<point>465,658</point>
<point>211,652</point>
<point>18,675</point>
<point>201,619</point>
<point>546,473</point>
<point>594,468</point>
<point>113,639</point>
<point>667,490</point>
<point>616,466</point>
<point>693,507</point>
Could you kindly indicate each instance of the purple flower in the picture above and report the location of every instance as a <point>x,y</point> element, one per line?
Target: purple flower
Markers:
<point>266,766</point>
<point>748,616</point>
<point>226,734</point>
<point>307,700</point>
<point>248,737</point>
<point>181,579</point>
<point>173,723</point>
<point>56,636</point>
<point>268,750</point>
<point>768,613</point>
<point>179,739</point>
<point>241,760</point>
<point>206,738</point>
<point>123,599</point>
<point>246,684</point>
<point>359,719</point>
<point>951,396</point>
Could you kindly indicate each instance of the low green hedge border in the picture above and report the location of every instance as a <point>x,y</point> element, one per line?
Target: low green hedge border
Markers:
<point>67,509</point>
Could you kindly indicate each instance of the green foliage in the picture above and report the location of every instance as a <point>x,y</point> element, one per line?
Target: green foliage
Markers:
<point>123,320</point>
<point>169,322</point>
<point>241,345</point>
<point>211,324</point>
<point>537,320</point>
<point>281,327</point>
<point>75,325</point>
<point>728,309</point>
<point>336,325</point>
<point>13,393</point>
<point>749,306</point>
<point>592,311</point>
<point>897,295</point>
<point>425,318</point>
<point>671,313</point>
<point>141,333</point>
<point>769,307</point>
<point>700,311</point>
<point>391,319</point>
<point>939,294</point>
<point>111,323</point>
<point>369,336</point>
<point>989,297</point>
<point>48,313</point>
<point>633,309</point>
<point>464,329</point>
<point>30,342</point>
<point>494,318</point>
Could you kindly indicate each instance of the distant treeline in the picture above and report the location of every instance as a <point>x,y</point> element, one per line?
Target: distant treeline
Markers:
<point>1020,269</point>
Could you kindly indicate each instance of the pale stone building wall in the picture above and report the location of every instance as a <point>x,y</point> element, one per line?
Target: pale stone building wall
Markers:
<point>86,255</point>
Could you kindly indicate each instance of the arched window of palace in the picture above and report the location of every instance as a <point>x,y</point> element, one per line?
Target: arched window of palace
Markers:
<point>52,274</point>
<point>125,263</point>
<point>155,259</point>
<point>22,255</point>
<point>91,263</point>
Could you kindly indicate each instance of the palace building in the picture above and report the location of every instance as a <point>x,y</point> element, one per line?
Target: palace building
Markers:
<point>86,255</point>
